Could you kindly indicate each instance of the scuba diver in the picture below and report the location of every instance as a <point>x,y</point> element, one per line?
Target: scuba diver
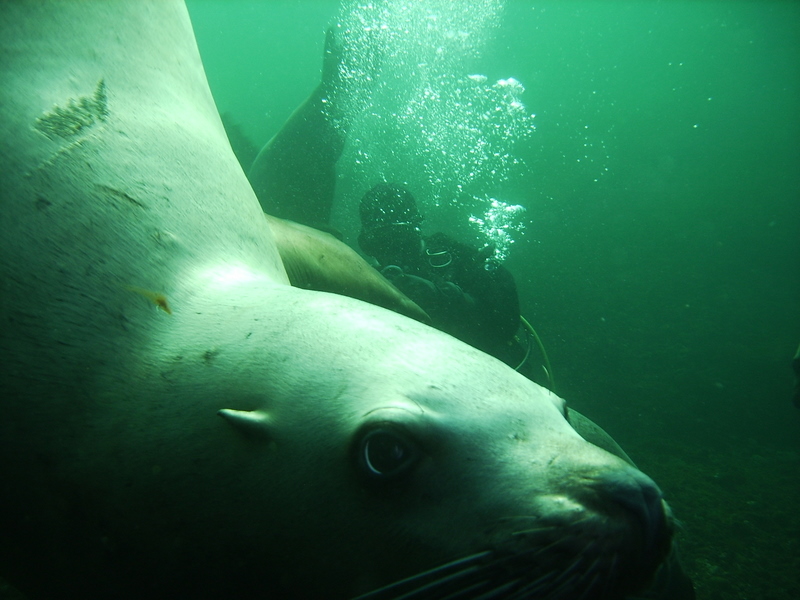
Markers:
<point>462,292</point>
<point>465,293</point>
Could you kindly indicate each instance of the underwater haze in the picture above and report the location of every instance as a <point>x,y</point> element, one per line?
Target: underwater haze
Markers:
<point>636,164</point>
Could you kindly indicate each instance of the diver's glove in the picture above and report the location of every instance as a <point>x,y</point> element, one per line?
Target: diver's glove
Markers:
<point>450,290</point>
<point>392,272</point>
<point>414,287</point>
<point>454,295</point>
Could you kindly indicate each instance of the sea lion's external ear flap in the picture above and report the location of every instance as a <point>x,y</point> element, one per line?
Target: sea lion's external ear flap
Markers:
<point>253,424</point>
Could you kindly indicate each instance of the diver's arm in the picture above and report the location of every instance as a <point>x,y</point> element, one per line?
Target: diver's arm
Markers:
<point>497,303</point>
<point>413,286</point>
<point>456,297</point>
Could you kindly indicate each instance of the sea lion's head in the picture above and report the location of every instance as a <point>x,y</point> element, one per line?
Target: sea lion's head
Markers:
<point>428,457</point>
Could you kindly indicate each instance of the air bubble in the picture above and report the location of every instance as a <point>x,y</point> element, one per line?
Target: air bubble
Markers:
<point>425,119</point>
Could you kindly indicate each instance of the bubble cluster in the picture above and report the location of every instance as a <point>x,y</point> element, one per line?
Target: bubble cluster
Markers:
<point>464,131</point>
<point>499,224</point>
<point>413,112</point>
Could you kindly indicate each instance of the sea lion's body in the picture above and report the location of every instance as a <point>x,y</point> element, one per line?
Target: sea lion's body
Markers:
<point>143,294</point>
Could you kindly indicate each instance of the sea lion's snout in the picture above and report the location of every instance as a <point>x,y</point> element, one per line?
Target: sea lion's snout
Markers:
<point>602,534</point>
<point>639,528</point>
<point>601,537</point>
<point>642,501</point>
<point>607,533</point>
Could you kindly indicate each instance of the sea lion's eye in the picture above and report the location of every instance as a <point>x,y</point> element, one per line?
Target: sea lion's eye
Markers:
<point>385,454</point>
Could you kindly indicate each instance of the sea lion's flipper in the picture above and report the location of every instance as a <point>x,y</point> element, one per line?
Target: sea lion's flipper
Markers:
<point>243,147</point>
<point>594,434</point>
<point>294,174</point>
<point>331,59</point>
<point>318,261</point>
<point>254,424</point>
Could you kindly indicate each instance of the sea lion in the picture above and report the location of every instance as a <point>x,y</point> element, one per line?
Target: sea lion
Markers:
<point>319,261</point>
<point>179,422</point>
<point>294,174</point>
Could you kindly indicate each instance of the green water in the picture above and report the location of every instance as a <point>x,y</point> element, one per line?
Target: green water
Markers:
<point>658,254</point>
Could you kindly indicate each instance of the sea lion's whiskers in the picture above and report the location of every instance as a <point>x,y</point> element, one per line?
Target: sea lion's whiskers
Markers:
<point>533,552</point>
<point>534,530</point>
<point>572,567</point>
<point>518,517</point>
<point>558,585</point>
<point>535,588</point>
<point>590,586</point>
<point>553,527</point>
<point>440,587</point>
<point>413,586</point>
<point>587,580</point>
<point>498,592</point>
<point>610,572</point>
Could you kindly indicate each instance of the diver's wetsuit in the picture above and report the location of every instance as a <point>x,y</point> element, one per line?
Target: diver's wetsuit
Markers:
<point>470,298</point>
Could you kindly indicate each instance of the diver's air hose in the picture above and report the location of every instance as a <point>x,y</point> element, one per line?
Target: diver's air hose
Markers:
<point>547,368</point>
